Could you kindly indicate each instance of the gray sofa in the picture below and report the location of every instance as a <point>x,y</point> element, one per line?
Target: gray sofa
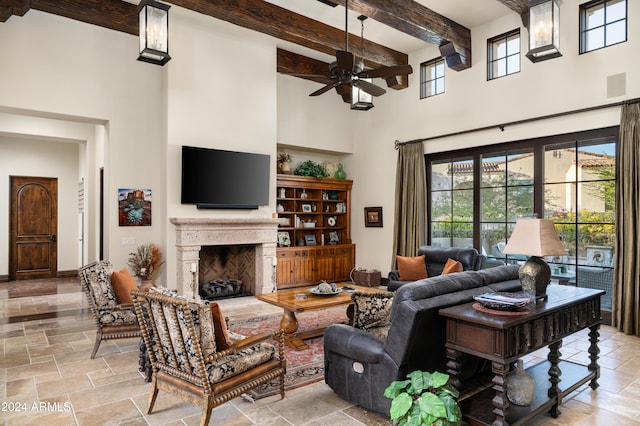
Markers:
<point>359,366</point>
<point>435,259</point>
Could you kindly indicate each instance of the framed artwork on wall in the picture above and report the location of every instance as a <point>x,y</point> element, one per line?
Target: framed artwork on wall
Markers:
<point>373,217</point>
<point>134,207</point>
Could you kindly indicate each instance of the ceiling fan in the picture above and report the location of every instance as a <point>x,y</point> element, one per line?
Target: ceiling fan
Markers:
<point>346,72</point>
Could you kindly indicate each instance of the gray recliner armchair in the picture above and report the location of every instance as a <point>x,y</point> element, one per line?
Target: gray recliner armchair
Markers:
<point>435,259</point>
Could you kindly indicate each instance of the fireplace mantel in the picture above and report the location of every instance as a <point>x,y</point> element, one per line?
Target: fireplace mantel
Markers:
<point>193,233</point>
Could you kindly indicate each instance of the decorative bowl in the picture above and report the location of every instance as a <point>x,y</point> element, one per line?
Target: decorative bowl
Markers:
<point>503,301</point>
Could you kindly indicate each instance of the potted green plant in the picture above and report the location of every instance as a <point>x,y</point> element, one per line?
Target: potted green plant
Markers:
<point>311,168</point>
<point>424,399</point>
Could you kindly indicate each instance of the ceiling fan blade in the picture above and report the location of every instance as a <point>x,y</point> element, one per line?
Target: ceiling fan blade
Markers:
<point>370,88</point>
<point>325,89</point>
<point>344,90</point>
<point>386,71</point>
<point>346,60</point>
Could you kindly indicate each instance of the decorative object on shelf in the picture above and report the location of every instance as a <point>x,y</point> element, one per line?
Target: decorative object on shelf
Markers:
<point>283,239</point>
<point>334,237</point>
<point>301,241</point>
<point>306,208</point>
<point>280,208</point>
<point>535,238</point>
<point>520,386</point>
<point>154,32</point>
<point>326,289</point>
<point>333,195</point>
<point>304,195</point>
<point>339,208</point>
<point>146,261</point>
<point>314,207</point>
<point>311,168</point>
<point>309,224</point>
<point>424,399</point>
<point>283,192</point>
<point>373,217</point>
<point>325,195</point>
<point>330,167</point>
<point>340,173</point>
<point>544,30</point>
<point>332,220</point>
<point>284,164</point>
<point>310,240</point>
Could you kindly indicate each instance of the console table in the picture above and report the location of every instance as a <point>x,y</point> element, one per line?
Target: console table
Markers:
<point>503,339</point>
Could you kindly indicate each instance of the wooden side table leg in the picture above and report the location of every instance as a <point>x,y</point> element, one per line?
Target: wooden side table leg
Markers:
<point>594,350</point>
<point>500,401</point>
<point>454,367</point>
<point>554,377</point>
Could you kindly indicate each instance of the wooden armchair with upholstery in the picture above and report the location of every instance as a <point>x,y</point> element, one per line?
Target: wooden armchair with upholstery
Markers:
<point>113,320</point>
<point>186,359</point>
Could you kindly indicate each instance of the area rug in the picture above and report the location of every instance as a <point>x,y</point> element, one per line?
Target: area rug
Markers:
<point>303,367</point>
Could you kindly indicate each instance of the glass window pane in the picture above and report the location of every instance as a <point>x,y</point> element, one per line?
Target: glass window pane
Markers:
<point>595,39</point>
<point>513,64</point>
<point>493,204</point>
<point>493,237</point>
<point>593,198</point>
<point>500,68</point>
<point>441,234</point>
<point>520,169</point>
<point>439,69</point>
<point>595,16</point>
<point>463,205</point>
<point>440,177</point>
<point>616,33</point>
<point>440,85</point>
<point>555,201</point>
<point>441,206</point>
<point>616,10</point>
<point>519,202</point>
<point>513,45</point>
<point>557,161</point>
<point>593,235</point>
<point>499,49</point>
<point>462,234</point>
<point>493,171</point>
<point>462,173</point>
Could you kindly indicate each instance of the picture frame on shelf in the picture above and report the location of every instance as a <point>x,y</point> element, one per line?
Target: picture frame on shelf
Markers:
<point>310,240</point>
<point>373,217</point>
<point>284,240</point>
<point>306,208</point>
<point>334,237</point>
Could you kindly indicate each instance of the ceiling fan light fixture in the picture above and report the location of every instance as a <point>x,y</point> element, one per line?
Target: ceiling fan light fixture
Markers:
<point>154,32</point>
<point>361,100</point>
<point>544,30</point>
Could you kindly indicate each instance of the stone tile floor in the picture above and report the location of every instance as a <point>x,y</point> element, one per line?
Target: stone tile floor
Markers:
<point>46,376</point>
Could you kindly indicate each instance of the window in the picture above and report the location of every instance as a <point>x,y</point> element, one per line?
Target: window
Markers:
<point>503,55</point>
<point>602,23</point>
<point>431,78</point>
<point>476,195</point>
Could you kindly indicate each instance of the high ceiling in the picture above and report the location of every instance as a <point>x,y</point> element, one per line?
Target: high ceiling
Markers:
<point>310,31</point>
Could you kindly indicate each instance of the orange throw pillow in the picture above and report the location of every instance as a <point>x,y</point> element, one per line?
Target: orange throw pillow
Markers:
<point>411,268</point>
<point>223,341</point>
<point>451,266</point>
<point>123,283</point>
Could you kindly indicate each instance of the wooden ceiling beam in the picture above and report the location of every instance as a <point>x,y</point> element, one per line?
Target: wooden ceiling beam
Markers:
<point>302,66</point>
<point>521,7</point>
<point>9,8</point>
<point>418,21</point>
<point>285,25</point>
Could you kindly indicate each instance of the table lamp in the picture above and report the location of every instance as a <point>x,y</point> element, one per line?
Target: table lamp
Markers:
<point>535,238</point>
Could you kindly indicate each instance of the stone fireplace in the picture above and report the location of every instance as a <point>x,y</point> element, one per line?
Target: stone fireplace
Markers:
<point>260,233</point>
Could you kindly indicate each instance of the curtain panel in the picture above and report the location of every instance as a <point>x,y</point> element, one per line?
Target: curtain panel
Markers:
<point>626,292</point>
<point>411,195</point>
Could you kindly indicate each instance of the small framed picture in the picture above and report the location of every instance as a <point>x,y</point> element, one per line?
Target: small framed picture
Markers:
<point>334,237</point>
<point>310,240</point>
<point>306,208</point>
<point>283,239</point>
<point>373,217</point>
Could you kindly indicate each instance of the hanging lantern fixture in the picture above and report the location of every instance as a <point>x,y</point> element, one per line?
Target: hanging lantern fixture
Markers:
<point>544,30</point>
<point>154,32</point>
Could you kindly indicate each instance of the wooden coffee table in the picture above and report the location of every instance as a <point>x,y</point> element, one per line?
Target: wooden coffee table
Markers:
<point>301,299</point>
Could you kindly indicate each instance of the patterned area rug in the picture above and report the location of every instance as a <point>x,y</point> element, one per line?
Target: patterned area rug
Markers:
<point>303,367</point>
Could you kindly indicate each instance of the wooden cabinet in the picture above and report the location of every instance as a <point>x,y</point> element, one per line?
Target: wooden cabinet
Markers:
<point>315,244</point>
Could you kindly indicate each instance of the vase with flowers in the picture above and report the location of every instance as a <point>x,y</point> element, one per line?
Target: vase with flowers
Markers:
<point>284,163</point>
<point>145,263</point>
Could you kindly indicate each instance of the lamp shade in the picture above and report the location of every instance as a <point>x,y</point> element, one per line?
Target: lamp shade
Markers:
<point>154,32</point>
<point>534,237</point>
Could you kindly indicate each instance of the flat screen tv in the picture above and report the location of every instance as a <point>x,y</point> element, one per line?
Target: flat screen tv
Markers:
<point>218,179</point>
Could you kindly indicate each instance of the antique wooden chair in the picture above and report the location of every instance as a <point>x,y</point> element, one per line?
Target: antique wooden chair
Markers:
<point>113,320</point>
<point>180,338</point>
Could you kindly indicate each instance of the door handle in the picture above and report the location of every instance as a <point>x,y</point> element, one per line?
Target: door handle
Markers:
<point>53,238</point>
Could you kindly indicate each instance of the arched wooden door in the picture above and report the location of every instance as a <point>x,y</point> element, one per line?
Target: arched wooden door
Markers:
<point>33,251</point>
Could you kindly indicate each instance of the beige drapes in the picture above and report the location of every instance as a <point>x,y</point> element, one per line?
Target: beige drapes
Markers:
<point>411,195</point>
<point>626,291</point>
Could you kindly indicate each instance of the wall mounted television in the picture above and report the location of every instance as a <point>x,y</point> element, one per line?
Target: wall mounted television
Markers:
<point>218,179</point>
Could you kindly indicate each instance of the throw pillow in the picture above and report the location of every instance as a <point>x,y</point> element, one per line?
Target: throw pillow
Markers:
<point>411,268</point>
<point>451,266</point>
<point>371,310</point>
<point>223,340</point>
<point>123,283</point>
